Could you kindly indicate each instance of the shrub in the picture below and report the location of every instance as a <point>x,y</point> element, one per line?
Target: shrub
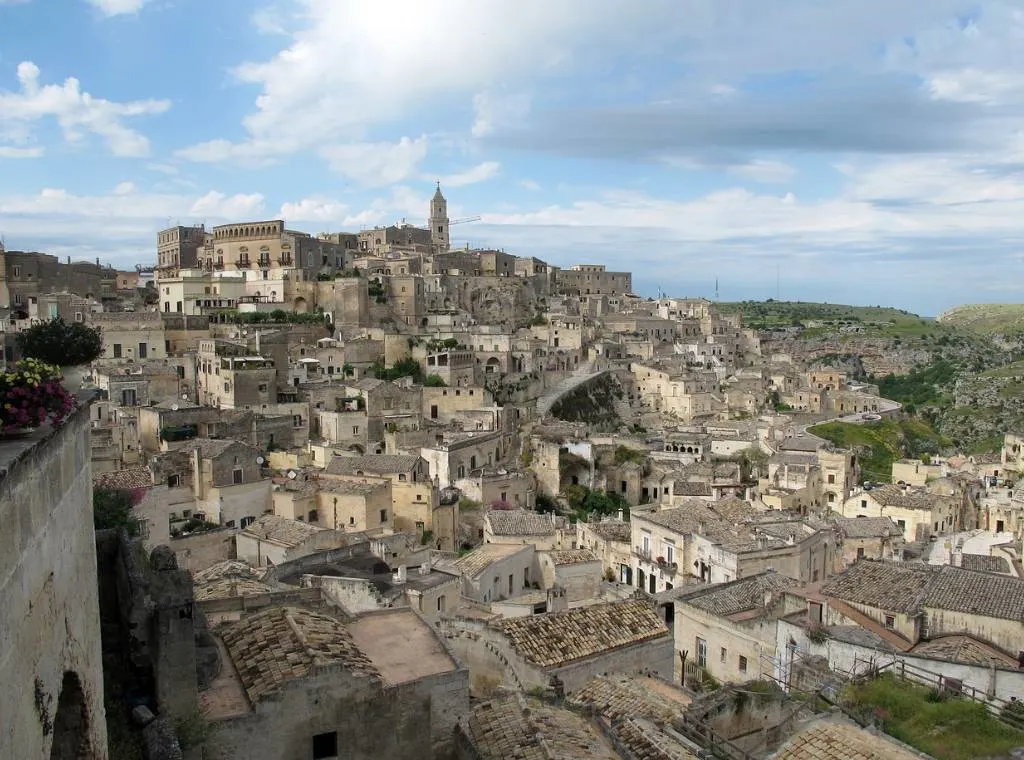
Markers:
<point>112,508</point>
<point>60,343</point>
<point>434,381</point>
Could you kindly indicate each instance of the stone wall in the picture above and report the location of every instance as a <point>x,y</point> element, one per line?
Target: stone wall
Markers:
<point>50,656</point>
<point>411,721</point>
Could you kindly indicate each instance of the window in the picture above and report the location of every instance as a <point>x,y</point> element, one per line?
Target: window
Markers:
<point>325,746</point>
<point>670,553</point>
<point>236,476</point>
<point>262,387</point>
<point>702,653</point>
<point>890,622</point>
<point>17,271</point>
<point>355,430</point>
<point>312,517</point>
<point>902,525</point>
<point>863,503</point>
<point>440,603</point>
<point>860,552</point>
<point>724,653</point>
<point>511,583</point>
<point>297,420</point>
<point>78,316</point>
<point>831,478</point>
<point>743,664</point>
<point>246,522</point>
<point>173,481</point>
<point>383,515</point>
<point>117,350</point>
<point>401,476</point>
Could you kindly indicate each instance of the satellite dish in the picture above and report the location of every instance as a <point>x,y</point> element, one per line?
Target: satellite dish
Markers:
<point>260,460</point>
<point>174,407</point>
<point>292,474</point>
<point>184,397</point>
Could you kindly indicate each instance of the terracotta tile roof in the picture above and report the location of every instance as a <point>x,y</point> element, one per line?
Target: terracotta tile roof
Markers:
<point>643,739</point>
<point>281,530</point>
<point>284,643</point>
<point>965,649</point>
<point>230,577</point>
<point>895,587</point>
<point>559,638</point>
<point>619,696</point>
<point>985,563</point>
<point>894,496</point>
<point>690,488</point>
<point>612,530</point>
<point>737,596</point>
<point>224,588</point>
<point>959,590</point>
<point>866,527</point>
<point>476,561</point>
<point>504,729</point>
<point>373,464</point>
<point>520,522</point>
<point>824,740</point>
<point>136,477</point>
<point>571,556</point>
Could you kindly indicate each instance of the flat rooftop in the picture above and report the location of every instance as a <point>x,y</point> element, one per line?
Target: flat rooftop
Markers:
<point>401,645</point>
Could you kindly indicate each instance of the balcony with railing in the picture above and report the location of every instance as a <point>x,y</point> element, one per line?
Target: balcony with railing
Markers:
<point>242,261</point>
<point>263,261</point>
<point>643,552</point>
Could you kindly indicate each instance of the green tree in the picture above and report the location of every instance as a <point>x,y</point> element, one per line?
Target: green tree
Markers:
<point>60,343</point>
<point>112,508</point>
<point>434,381</point>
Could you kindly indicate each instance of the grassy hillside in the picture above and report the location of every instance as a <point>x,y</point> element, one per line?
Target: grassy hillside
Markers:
<point>821,318</point>
<point>986,318</point>
<point>882,443</point>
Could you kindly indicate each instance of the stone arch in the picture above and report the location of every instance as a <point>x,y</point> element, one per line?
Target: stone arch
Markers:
<point>71,723</point>
<point>301,307</point>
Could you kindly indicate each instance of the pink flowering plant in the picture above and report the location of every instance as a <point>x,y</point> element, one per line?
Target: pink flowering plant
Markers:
<point>31,393</point>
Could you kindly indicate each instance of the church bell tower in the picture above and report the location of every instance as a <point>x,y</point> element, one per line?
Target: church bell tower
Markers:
<point>439,234</point>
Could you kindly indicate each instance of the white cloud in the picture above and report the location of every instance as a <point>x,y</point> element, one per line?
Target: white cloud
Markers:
<point>75,111</point>
<point>117,7</point>
<point>315,210</point>
<point>376,164</point>
<point>167,169</point>
<point>333,80</point>
<point>530,185</point>
<point>479,173</point>
<point>498,111</point>
<point>124,188</point>
<point>223,206</point>
<point>10,151</point>
<point>763,170</point>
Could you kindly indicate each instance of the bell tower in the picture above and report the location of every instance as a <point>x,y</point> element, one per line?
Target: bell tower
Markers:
<point>439,221</point>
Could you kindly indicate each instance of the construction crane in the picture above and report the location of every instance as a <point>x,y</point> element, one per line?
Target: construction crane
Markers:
<point>453,222</point>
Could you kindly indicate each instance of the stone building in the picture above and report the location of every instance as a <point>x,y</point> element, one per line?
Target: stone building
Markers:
<point>492,572</point>
<point>297,684</point>
<point>30,275</point>
<point>860,538</point>
<point>577,571</point>
<point>727,630</point>
<point>48,592</point>
<point>584,279</point>
<point>917,512</point>
<point>609,539</point>
<point>177,248</point>
<point>563,649</point>
<point>232,377</point>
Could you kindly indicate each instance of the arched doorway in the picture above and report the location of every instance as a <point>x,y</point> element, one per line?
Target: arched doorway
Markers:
<point>71,724</point>
<point>300,305</point>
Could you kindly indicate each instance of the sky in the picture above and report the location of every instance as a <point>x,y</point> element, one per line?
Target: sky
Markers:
<point>849,151</point>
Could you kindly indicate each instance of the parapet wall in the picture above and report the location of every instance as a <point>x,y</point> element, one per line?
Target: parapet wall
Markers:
<point>49,607</point>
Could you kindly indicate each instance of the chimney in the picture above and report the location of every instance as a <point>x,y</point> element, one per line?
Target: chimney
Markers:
<point>621,516</point>
<point>402,575</point>
<point>427,566</point>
